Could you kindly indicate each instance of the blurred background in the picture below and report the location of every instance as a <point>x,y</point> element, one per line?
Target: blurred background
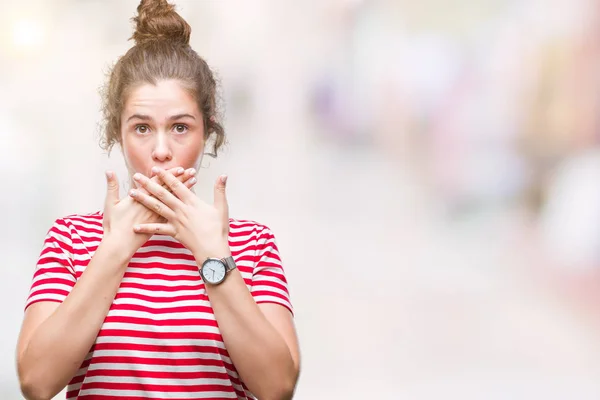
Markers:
<point>430,169</point>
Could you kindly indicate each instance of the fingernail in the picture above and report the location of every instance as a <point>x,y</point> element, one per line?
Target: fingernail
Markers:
<point>137,176</point>
<point>132,193</point>
<point>109,174</point>
<point>192,171</point>
<point>137,228</point>
<point>224,179</point>
<point>192,181</point>
<point>180,170</point>
<point>155,170</point>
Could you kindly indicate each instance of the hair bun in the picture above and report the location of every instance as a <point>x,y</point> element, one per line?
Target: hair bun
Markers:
<point>157,20</point>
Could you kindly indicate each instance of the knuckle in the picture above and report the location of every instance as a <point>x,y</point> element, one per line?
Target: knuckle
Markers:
<point>174,185</point>
<point>162,194</point>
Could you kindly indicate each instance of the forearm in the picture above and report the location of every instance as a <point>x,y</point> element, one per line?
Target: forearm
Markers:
<point>59,345</point>
<point>259,353</point>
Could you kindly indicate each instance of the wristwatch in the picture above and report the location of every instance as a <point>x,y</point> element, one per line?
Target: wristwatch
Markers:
<point>214,270</point>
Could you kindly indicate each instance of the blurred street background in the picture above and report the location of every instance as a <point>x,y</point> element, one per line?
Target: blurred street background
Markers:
<point>431,170</point>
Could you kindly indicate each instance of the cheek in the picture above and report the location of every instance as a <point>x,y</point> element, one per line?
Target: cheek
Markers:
<point>135,155</point>
<point>190,152</point>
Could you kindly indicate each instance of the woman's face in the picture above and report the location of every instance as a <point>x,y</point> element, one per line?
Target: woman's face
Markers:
<point>161,126</point>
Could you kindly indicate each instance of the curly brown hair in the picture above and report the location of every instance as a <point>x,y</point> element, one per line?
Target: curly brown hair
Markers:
<point>161,52</point>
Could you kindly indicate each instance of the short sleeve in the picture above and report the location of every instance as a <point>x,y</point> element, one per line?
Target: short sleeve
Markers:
<point>269,284</point>
<point>54,276</point>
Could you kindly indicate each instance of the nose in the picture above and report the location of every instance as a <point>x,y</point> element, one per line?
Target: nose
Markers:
<point>162,150</point>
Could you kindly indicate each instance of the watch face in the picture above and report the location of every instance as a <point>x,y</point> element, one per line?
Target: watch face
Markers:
<point>213,271</point>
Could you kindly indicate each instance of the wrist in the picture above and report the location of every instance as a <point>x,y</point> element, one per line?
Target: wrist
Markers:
<point>220,253</point>
<point>116,247</point>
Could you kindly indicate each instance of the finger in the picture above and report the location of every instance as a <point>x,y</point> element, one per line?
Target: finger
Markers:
<point>177,171</point>
<point>177,188</point>
<point>152,204</point>
<point>220,197</point>
<point>190,183</point>
<point>180,173</point>
<point>112,189</point>
<point>156,229</point>
<point>189,175</point>
<point>159,192</point>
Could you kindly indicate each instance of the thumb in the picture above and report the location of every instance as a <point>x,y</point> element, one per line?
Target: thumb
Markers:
<point>112,190</point>
<point>220,197</point>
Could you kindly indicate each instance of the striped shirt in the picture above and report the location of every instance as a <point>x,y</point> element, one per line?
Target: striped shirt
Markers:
<point>160,339</point>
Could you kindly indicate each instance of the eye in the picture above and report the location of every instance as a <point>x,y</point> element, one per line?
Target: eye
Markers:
<point>180,128</point>
<point>141,129</point>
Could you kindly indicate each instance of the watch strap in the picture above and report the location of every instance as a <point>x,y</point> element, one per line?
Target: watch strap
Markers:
<point>229,263</point>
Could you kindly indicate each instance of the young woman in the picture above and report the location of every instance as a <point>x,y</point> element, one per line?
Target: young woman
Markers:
<point>160,295</point>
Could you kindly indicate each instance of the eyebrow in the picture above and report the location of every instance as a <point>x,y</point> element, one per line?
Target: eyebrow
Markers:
<point>145,117</point>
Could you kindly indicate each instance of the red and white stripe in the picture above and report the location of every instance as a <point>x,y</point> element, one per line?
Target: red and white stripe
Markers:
<point>160,339</point>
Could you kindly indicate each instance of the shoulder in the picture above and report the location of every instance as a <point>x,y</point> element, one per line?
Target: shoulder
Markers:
<point>89,218</point>
<point>246,225</point>
<point>249,230</point>
<point>78,222</point>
